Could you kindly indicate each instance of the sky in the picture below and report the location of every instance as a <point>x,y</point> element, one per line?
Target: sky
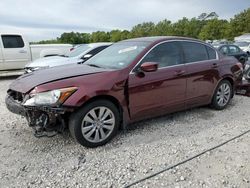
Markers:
<point>48,19</point>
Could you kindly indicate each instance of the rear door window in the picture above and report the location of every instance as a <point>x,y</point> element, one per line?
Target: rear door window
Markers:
<point>12,41</point>
<point>166,54</point>
<point>194,52</point>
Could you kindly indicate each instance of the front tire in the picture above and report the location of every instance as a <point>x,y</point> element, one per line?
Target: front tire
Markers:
<point>247,74</point>
<point>242,60</point>
<point>95,124</point>
<point>222,95</point>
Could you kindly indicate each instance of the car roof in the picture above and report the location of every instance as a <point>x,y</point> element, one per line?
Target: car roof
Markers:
<point>11,34</point>
<point>97,44</point>
<point>220,46</point>
<point>161,38</point>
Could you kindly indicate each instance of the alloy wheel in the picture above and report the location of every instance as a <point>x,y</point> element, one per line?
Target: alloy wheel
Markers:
<point>98,124</point>
<point>223,94</point>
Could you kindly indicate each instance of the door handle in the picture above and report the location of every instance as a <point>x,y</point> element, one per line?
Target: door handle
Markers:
<point>23,51</point>
<point>179,72</point>
<point>215,65</point>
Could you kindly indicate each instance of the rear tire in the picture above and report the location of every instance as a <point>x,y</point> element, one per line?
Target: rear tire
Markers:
<point>222,95</point>
<point>95,124</point>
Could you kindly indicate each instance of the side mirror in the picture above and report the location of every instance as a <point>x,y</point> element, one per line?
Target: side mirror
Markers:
<point>149,66</point>
<point>87,56</point>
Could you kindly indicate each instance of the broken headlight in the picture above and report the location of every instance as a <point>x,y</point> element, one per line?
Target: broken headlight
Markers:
<point>52,97</point>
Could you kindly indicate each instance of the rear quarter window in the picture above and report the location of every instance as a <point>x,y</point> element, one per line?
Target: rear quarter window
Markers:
<point>194,52</point>
<point>211,53</point>
<point>12,41</point>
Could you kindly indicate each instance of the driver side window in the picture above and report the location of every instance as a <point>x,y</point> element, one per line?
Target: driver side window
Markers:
<point>166,54</point>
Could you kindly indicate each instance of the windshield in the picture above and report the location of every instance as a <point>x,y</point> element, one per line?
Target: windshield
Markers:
<point>242,44</point>
<point>118,55</point>
<point>79,50</point>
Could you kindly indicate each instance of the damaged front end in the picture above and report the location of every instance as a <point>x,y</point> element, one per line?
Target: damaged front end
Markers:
<point>45,122</point>
<point>45,119</point>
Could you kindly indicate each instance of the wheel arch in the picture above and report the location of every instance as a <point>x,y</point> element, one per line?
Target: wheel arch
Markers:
<point>232,83</point>
<point>228,78</point>
<point>110,98</point>
<point>76,118</point>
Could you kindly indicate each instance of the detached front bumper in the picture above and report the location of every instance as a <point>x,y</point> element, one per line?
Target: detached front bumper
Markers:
<point>17,107</point>
<point>14,106</point>
<point>44,119</point>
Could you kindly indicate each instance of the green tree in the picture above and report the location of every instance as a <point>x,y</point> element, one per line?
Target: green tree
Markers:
<point>85,37</point>
<point>52,41</point>
<point>194,27</point>
<point>75,38</point>
<point>179,27</point>
<point>100,36</point>
<point>118,35</point>
<point>214,29</point>
<point>125,34</point>
<point>143,30</point>
<point>240,24</point>
<point>115,35</point>
<point>188,28</point>
<point>163,28</point>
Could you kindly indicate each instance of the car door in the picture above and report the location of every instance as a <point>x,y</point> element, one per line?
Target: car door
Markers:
<point>15,51</point>
<point>163,91</point>
<point>202,66</point>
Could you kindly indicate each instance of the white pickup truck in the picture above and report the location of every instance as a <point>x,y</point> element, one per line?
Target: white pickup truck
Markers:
<point>16,52</point>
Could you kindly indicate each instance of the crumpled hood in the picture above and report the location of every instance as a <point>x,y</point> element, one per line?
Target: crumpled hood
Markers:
<point>27,82</point>
<point>53,61</point>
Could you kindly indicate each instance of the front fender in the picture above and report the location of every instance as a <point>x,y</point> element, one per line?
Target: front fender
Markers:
<point>107,88</point>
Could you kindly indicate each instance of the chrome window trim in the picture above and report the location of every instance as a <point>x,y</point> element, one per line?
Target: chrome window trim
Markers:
<point>217,55</point>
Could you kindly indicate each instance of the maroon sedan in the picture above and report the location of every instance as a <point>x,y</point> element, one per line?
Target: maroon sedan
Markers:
<point>128,81</point>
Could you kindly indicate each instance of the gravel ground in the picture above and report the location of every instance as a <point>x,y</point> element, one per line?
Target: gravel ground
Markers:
<point>147,147</point>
